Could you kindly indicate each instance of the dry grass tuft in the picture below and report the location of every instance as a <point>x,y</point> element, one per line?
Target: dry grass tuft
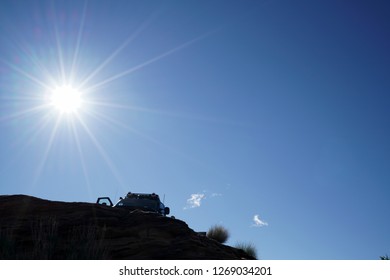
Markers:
<point>218,233</point>
<point>248,248</point>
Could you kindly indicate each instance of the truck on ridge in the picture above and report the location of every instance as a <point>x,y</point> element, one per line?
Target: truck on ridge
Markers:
<point>141,201</point>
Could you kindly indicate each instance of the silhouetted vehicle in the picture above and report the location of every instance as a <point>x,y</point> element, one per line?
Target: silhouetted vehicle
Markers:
<point>142,201</point>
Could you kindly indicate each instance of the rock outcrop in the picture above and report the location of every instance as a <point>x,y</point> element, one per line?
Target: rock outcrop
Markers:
<point>33,228</point>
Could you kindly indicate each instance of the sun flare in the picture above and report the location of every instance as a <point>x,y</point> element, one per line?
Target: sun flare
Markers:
<point>66,99</point>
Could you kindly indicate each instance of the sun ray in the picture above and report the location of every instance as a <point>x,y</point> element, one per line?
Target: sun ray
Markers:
<point>46,73</point>
<point>27,75</point>
<point>99,117</point>
<point>80,151</point>
<point>35,109</point>
<point>103,153</point>
<point>78,43</point>
<point>47,151</point>
<point>165,113</point>
<point>60,57</point>
<point>59,48</point>
<point>115,53</point>
<point>36,130</point>
<point>141,109</point>
<point>150,61</point>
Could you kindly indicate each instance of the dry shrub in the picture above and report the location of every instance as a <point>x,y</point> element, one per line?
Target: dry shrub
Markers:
<point>248,248</point>
<point>218,233</point>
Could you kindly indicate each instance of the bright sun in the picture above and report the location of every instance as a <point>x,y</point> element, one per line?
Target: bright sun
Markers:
<point>66,99</point>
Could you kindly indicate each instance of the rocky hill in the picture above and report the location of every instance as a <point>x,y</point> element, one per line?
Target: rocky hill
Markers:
<point>33,228</point>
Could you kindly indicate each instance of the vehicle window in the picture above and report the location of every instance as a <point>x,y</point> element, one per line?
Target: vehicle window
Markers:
<point>139,203</point>
<point>104,201</point>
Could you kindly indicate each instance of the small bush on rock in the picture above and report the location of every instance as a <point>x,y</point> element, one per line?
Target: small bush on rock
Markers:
<point>248,248</point>
<point>218,233</point>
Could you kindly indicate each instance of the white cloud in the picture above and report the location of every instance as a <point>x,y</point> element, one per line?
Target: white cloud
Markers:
<point>257,222</point>
<point>195,200</point>
<point>216,194</point>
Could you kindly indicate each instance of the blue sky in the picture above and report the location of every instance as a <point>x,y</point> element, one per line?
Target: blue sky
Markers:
<point>270,118</point>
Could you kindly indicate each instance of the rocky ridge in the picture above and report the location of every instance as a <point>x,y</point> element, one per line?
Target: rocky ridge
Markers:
<point>33,228</point>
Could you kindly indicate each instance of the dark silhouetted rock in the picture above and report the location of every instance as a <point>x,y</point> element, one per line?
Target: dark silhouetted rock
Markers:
<point>33,228</point>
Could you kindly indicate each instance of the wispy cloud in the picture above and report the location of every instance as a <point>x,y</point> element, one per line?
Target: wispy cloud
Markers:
<point>257,222</point>
<point>216,194</point>
<point>195,200</point>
